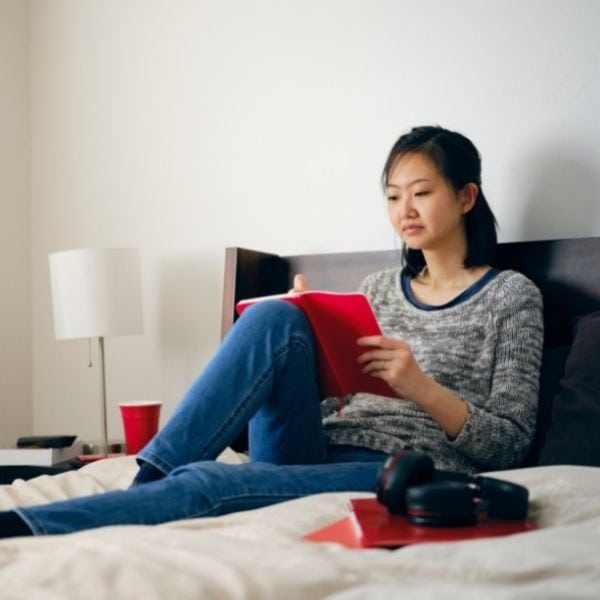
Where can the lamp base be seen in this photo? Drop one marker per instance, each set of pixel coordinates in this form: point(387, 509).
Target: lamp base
point(100, 448)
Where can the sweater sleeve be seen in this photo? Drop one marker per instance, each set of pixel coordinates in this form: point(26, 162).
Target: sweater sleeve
point(498, 434)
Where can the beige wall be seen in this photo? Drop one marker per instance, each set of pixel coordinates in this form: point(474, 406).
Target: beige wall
point(184, 126)
point(15, 224)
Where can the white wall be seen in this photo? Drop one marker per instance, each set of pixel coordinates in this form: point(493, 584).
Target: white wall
point(15, 224)
point(184, 126)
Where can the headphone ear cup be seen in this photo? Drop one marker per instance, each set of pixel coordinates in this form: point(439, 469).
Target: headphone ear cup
point(400, 471)
point(506, 500)
point(441, 504)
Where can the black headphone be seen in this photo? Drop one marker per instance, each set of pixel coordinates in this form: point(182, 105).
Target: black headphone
point(408, 484)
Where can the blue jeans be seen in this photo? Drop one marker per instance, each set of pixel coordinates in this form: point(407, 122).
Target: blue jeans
point(263, 376)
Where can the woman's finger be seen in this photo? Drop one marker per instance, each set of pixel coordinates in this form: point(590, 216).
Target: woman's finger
point(300, 284)
point(377, 355)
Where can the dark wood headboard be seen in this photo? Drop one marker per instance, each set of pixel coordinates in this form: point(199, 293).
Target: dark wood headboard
point(566, 271)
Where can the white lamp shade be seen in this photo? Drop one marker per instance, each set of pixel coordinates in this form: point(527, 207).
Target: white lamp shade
point(96, 292)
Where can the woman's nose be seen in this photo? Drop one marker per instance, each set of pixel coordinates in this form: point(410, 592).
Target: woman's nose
point(407, 208)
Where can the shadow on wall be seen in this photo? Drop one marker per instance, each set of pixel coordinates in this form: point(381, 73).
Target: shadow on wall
point(189, 296)
point(563, 198)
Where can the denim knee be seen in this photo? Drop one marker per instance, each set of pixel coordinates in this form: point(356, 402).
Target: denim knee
point(278, 314)
point(208, 482)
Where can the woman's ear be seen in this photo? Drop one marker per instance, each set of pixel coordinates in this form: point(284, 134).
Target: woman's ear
point(468, 196)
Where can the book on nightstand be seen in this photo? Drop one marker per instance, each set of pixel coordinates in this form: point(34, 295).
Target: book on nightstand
point(43, 457)
point(337, 321)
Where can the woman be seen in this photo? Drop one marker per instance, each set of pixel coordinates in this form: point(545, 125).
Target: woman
point(461, 347)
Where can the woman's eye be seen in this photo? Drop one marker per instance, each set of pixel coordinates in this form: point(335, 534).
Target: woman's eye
point(392, 198)
point(422, 193)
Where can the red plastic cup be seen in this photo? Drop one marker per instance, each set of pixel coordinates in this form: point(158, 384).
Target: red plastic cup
point(140, 423)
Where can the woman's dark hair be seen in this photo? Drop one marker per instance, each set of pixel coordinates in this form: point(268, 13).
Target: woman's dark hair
point(459, 161)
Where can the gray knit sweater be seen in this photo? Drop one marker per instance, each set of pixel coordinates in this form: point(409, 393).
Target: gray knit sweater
point(487, 350)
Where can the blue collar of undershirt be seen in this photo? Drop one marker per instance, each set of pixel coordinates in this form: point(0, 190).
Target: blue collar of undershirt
point(462, 297)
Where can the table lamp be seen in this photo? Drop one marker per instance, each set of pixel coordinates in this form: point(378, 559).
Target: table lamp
point(96, 293)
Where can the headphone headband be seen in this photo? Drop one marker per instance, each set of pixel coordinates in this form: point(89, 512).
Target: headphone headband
point(409, 484)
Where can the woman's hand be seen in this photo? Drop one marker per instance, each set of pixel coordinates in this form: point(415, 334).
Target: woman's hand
point(393, 361)
point(300, 284)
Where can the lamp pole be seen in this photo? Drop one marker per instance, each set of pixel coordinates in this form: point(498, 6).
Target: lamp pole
point(104, 448)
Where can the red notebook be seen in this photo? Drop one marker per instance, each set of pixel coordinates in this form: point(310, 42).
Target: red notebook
point(372, 526)
point(337, 321)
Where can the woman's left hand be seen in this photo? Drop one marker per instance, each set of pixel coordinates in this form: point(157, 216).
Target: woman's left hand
point(394, 362)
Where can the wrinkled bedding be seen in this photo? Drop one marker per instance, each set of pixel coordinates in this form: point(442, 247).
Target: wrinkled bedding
point(260, 554)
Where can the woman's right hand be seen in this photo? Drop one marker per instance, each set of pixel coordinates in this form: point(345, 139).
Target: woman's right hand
point(300, 284)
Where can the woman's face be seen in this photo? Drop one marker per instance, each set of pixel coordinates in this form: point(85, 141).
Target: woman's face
point(423, 208)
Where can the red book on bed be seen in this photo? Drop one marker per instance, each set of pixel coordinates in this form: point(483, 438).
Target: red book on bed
point(337, 321)
point(372, 526)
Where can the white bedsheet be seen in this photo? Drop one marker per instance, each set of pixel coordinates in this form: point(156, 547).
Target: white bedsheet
point(260, 554)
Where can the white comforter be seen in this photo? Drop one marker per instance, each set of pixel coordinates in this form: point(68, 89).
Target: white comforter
point(260, 554)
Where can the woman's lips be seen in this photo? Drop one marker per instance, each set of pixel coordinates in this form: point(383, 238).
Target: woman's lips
point(411, 229)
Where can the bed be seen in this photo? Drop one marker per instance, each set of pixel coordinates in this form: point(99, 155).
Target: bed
point(262, 553)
